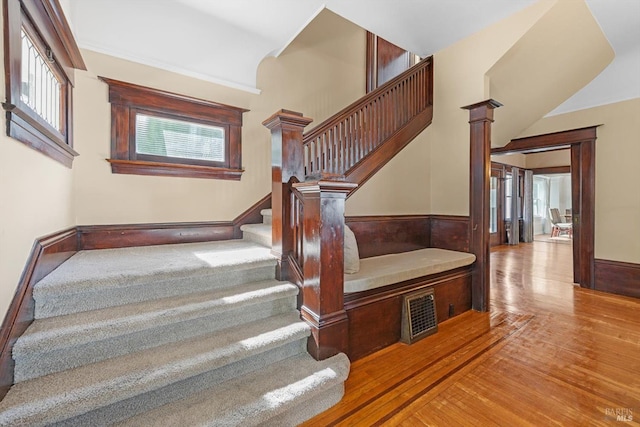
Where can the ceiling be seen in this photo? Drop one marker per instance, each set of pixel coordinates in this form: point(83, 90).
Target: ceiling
point(225, 41)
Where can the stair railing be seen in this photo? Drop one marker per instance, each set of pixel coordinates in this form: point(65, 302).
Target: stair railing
point(342, 143)
point(313, 175)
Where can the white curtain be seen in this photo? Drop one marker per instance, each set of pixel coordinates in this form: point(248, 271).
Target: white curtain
point(527, 211)
point(514, 235)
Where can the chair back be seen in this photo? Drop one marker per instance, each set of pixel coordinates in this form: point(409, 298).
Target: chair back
point(555, 215)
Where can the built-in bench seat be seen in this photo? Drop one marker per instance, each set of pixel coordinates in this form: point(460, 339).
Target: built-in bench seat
point(373, 296)
point(384, 270)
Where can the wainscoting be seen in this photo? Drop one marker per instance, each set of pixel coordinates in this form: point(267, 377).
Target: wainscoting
point(617, 277)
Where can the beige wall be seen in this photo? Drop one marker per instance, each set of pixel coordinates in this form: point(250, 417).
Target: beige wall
point(548, 159)
point(617, 207)
point(35, 200)
point(317, 74)
point(516, 159)
point(460, 80)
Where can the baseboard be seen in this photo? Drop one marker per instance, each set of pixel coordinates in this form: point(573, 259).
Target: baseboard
point(46, 255)
point(128, 235)
point(622, 278)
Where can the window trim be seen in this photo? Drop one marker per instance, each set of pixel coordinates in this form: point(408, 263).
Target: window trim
point(128, 99)
point(44, 21)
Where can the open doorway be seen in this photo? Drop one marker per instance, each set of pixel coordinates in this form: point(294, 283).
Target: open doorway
point(581, 143)
point(551, 200)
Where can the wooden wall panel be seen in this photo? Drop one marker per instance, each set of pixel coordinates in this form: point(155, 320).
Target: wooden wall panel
point(375, 317)
point(124, 236)
point(450, 232)
point(617, 277)
point(381, 235)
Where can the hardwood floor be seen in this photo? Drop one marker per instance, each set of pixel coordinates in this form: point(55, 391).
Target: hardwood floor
point(548, 353)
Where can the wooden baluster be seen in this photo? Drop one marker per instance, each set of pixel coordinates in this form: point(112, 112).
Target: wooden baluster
point(323, 266)
point(286, 163)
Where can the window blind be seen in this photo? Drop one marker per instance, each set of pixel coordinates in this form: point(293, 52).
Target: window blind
point(160, 136)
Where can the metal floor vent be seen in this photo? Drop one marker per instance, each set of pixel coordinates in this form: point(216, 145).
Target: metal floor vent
point(418, 316)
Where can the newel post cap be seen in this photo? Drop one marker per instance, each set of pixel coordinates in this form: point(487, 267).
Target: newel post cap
point(287, 118)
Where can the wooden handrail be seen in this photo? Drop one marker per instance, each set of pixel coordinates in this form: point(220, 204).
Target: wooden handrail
point(334, 147)
point(314, 173)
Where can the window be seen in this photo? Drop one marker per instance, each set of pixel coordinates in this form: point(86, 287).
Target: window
point(160, 133)
point(40, 56)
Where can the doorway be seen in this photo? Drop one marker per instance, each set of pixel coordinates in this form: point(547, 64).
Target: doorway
point(582, 145)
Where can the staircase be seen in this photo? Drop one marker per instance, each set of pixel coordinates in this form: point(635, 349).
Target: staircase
point(188, 334)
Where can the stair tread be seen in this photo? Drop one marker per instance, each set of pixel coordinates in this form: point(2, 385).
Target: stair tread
point(127, 266)
point(79, 328)
point(257, 228)
point(65, 394)
point(254, 398)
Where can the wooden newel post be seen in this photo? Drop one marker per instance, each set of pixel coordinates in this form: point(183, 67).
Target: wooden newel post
point(480, 119)
point(286, 163)
point(323, 266)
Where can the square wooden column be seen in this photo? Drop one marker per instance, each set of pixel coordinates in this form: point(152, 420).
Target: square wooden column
point(286, 167)
point(323, 266)
point(480, 119)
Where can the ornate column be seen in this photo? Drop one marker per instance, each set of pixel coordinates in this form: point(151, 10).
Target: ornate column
point(480, 119)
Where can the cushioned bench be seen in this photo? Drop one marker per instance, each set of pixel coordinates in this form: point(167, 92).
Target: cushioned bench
point(383, 270)
point(373, 296)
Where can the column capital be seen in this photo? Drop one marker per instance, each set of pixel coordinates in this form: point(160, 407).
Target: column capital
point(482, 110)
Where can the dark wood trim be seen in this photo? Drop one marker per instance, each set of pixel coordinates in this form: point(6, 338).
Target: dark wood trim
point(384, 58)
point(127, 100)
point(382, 235)
point(617, 277)
point(46, 255)
point(551, 170)
point(128, 235)
point(137, 167)
point(375, 316)
point(545, 142)
point(449, 232)
point(286, 167)
point(371, 62)
point(583, 189)
point(583, 165)
point(480, 119)
point(251, 215)
point(323, 266)
point(47, 26)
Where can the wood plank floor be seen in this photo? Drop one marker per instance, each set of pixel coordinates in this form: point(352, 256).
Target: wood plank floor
point(548, 353)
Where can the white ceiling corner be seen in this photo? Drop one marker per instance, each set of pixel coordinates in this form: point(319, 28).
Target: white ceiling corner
point(198, 37)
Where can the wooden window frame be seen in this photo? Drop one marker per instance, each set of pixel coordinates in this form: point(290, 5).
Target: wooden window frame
point(128, 99)
point(46, 25)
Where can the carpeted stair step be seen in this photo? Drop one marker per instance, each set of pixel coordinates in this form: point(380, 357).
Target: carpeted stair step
point(118, 388)
point(258, 233)
point(64, 342)
point(266, 216)
point(97, 279)
point(285, 393)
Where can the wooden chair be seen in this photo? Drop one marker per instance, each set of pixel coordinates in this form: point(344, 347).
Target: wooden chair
point(559, 227)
